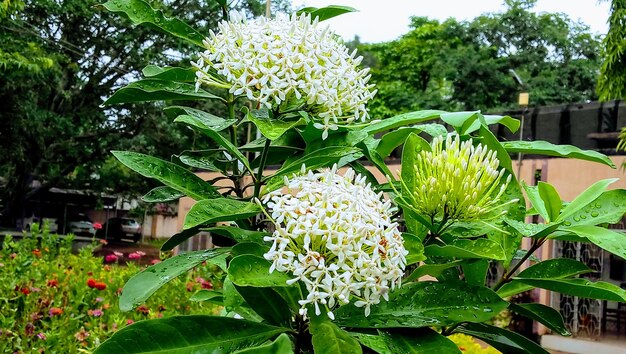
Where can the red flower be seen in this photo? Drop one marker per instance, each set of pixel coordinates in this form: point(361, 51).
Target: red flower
point(25, 290)
point(53, 283)
point(100, 285)
point(134, 255)
point(91, 282)
point(129, 322)
point(110, 258)
point(55, 311)
point(143, 309)
point(37, 252)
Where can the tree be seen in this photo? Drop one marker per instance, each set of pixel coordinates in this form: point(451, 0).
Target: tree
point(612, 81)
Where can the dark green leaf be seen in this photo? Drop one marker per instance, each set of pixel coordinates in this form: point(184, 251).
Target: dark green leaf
point(250, 270)
point(272, 128)
point(208, 120)
point(545, 148)
point(587, 196)
point(395, 138)
point(608, 240)
point(509, 122)
point(234, 302)
point(327, 12)
point(238, 234)
point(551, 200)
point(282, 345)
point(501, 339)
point(608, 208)
point(210, 160)
point(267, 304)
point(414, 245)
point(140, 12)
point(170, 73)
point(532, 192)
point(532, 230)
point(250, 248)
point(210, 211)
point(426, 304)
point(374, 341)
point(546, 315)
point(143, 285)
point(403, 120)
point(490, 140)
point(168, 173)
point(417, 341)
point(475, 271)
point(187, 334)
point(179, 238)
point(579, 287)
point(157, 90)
point(207, 295)
point(327, 338)
point(162, 194)
point(464, 248)
point(557, 268)
point(434, 270)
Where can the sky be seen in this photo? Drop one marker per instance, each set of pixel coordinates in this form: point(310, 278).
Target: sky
point(385, 20)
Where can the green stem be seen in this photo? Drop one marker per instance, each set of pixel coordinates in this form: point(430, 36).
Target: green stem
point(233, 128)
point(449, 330)
point(507, 276)
point(259, 176)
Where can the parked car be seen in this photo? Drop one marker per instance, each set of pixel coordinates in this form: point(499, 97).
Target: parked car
point(27, 223)
point(119, 228)
point(80, 225)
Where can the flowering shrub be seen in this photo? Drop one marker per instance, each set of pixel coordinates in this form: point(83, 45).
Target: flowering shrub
point(57, 301)
point(330, 262)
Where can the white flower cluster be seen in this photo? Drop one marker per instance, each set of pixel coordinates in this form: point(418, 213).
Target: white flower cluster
point(291, 63)
point(457, 180)
point(335, 235)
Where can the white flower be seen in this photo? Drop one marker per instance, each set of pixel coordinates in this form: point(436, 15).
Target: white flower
point(287, 63)
point(459, 180)
point(335, 234)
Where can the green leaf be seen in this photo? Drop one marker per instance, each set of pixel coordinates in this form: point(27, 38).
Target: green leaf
point(170, 73)
point(464, 248)
point(249, 248)
point(168, 173)
point(157, 90)
point(462, 121)
point(546, 315)
point(490, 140)
point(327, 12)
point(608, 240)
point(374, 340)
point(162, 194)
point(328, 338)
point(434, 270)
point(207, 295)
point(367, 146)
point(140, 12)
point(511, 123)
point(395, 138)
point(412, 147)
point(198, 118)
point(475, 271)
point(579, 287)
point(501, 339)
point(608, 208)
point(532, 230)
point(282, 345)
point(551, 200)
point(426, 304)
point(414, 245)
point(267, 304)
point(548, 149)
point(535, 199)
point(402, 120)
point(272, 128)
point(417, 341)
point(586, 197)
point(187, 334)
point(211, 160)
point(143, 285)
point(238, 234)
point(557, 268)
point(179, 238)
point(210, 211)
point(250, 270)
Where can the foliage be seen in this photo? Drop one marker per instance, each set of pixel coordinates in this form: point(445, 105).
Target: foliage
point(51, 298)
point(314, 256)
point(612, 80)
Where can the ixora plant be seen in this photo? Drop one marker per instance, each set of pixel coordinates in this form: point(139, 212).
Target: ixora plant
point(323, 257)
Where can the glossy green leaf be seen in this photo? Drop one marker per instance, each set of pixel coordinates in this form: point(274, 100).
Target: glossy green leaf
point(532, 192)
point(140, 12)
point(238, 234)
point(414, 245)
point(250, 248)
point(586, 197)
point(502, 339)
point(532, 230)
point(168, 173)
point(328, 338)
point(207, 295)
point(211, 160)
point(372, 339)
point(170, 73)
point(546, 315)
point(327, 12)
point(464, 248)
point(179, 238)
point(488, 139)
point(539, 147)
point(511, 123)
point(434, 270)
point(272, 128)
point(608, 240)
point(374, 157)
point(412, 147)
point(551, 200)
point(157, 90)
point(208, 120)
point(417, 341)
point(282, 345)
point(235, 304)
point(557, 268)
point(162, 194)
point(608, 208)
point(144, 284)
point(250, 270)
point(461, 121)
point(579, 287)
point(188, 334)
point(210, 211)
point(403, 120)
point(395, 138)
point(426, 304)
point(475, 271)
point(207, 124)
point(267, 303)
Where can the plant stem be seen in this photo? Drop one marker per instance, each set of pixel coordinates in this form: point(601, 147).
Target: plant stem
point(233, 128)
point(449, 330)
point(257, 184)
point(507, 276)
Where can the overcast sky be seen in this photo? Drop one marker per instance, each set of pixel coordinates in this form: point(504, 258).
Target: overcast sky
point(385, 20)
